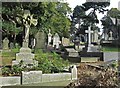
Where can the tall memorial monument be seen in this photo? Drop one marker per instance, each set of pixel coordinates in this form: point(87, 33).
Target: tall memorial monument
point(25, 54)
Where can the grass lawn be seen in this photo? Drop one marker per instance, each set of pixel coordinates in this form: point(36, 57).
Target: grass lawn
point(111, 49)
point(8, 56)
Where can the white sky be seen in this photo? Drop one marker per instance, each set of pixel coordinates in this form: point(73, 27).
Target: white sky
point(74, 3)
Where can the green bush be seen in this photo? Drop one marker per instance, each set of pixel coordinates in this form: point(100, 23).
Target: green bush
point(50, 62)
point(6, 71)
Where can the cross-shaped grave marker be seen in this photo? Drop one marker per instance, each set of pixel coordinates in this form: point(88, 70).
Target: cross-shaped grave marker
point(89, 35)
point(89, 38)
point(28, 20)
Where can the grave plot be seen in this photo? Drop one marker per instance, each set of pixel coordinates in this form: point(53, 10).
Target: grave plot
point(94, 77)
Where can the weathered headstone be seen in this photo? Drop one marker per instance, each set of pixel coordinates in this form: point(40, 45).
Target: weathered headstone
point(40, 40)
point(56, 41)
point(74, 72)
point(11, 45)
point(32, 43)
point(5, 43)
point(65, 41)
point(49, 38)
point(72, 52)
point(26, 57)
point(105, 36)
point(110, 36)
point(95, 36)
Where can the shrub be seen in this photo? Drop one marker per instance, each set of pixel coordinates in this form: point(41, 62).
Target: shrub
point(6, 71)
point(50, 62)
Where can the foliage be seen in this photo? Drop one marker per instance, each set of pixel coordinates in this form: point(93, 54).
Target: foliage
point(108, 24)
point(6, 71)
point(50, 62)
point(16, 70)
point(84, 20)
point(114, 13)
point(50, 15)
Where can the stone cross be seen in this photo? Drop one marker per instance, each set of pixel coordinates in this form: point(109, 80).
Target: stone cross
point(89, 35)
point(28, 20)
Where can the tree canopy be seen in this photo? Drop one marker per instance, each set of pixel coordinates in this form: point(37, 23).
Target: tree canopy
point(84, 20)
point(50, 15)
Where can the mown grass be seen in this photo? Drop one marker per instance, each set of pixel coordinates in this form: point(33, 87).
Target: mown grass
point(8, 56)
point(110, 49)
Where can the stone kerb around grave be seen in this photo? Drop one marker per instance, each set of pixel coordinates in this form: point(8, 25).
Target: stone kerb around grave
point(32, 77)
point(38, 77)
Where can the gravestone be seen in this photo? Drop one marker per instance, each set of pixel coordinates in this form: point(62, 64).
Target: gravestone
point(96, 36)
point(49, 38)
point(72, 52)
point(89, 39)
point(5, 43)
point(105, 36)
point(25, 54)
point(56, 41)
point(110, 36)
point(40, 40)
point(11, 45)
point(32, 43)
point(74, 72)
point(65, 41)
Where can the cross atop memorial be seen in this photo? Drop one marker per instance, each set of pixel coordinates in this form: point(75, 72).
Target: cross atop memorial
point(89, 35)
point(28, 20)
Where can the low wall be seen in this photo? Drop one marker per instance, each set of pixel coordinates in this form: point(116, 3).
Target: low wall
point(37, 77)
point(6, 81)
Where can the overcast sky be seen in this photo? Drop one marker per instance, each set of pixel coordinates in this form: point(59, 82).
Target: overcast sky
point(74, 3)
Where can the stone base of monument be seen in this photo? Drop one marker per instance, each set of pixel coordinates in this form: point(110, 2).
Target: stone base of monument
point(72, 55)
point(89, 59)
point(26, 57)
point(72, 52)
point(93, 48)
point(93, 54)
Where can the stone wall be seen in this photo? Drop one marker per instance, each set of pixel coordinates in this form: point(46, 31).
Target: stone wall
point(37, 77)
point(56, 77)
point(31, 77)
point(5, 81)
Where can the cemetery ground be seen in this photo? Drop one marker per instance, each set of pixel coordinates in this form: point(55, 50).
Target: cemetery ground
point(88, 73)
point(48, 62)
